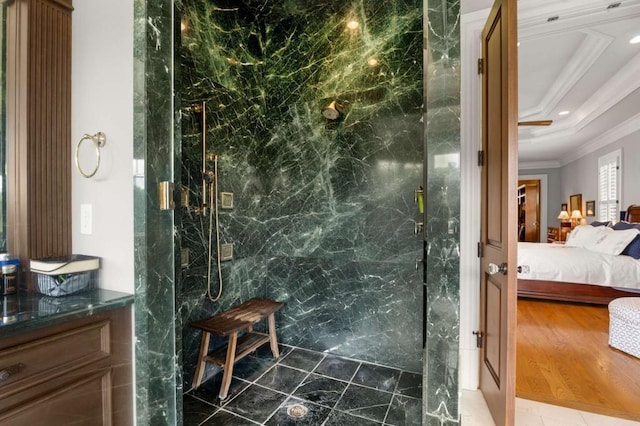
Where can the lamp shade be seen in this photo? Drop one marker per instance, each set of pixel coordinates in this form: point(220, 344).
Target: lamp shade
point(564, 215)
point(576, 214)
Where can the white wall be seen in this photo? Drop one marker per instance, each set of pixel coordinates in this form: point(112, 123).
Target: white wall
point(102, 100)
point(581, 175)
point(471, 140)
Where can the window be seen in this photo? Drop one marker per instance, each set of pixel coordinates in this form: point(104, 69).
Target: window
point(609, 172)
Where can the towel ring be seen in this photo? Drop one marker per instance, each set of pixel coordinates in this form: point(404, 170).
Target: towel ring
point(99, 140)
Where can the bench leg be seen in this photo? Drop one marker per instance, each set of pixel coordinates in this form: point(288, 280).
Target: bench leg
point(273, 340)
point(228, 366)
point(204, 350)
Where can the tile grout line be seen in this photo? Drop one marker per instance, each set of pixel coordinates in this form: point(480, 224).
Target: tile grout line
point(349, 382)
point(296, 388)
point(393, 397)
point(251, 382)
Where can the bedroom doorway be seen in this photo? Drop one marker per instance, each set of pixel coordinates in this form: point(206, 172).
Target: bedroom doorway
point(529, 211)
point(563, 356)
point(552, 197)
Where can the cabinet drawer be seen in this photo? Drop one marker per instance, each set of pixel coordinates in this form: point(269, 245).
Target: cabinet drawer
point(43, 359)
point(85, 400)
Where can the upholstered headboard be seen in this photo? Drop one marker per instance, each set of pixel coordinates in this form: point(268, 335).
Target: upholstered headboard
point(633, 213)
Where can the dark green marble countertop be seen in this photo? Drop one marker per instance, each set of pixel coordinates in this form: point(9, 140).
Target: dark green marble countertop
point(29, 311)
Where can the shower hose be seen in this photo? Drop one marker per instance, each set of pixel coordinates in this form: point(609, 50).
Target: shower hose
point(213, 201)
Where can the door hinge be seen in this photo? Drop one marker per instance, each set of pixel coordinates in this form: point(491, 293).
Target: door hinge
point(480, 158)
point(480, 66)
point(480, 250)
point(479, 335)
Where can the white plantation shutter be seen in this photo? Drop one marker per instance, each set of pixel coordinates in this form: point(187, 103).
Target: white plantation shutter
point(609, 172)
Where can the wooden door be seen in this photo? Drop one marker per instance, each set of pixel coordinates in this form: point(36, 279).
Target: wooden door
point(498, 290)
point(531, 210)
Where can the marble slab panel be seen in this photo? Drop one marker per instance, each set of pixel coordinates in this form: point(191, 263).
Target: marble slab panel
point(442, 218)
point(323, 215)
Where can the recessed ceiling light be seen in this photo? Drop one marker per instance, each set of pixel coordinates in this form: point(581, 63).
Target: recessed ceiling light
point(635, 40)
point(563, 113)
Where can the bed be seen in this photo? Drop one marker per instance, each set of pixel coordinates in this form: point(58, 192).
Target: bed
point(575, 274)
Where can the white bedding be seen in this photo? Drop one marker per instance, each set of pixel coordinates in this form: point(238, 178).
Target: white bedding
point(557, 262)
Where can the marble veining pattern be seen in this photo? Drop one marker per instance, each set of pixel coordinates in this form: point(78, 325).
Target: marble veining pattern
point(323, 214)
point(158, 380)
point(442, 215)
point(266, 397)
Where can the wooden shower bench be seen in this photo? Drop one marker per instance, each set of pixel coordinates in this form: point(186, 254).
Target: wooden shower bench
point(228, 324)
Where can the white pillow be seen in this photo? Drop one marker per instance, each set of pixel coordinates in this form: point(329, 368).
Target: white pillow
point(584, 235)
point(612, 241)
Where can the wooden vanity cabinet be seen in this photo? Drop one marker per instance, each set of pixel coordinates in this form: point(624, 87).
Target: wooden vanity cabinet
point(78, 372)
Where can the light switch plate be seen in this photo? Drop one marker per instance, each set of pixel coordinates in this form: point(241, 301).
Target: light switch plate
point(86, 219)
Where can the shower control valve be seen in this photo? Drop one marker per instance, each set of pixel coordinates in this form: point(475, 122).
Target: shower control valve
point(209, 176)
point(418, 227)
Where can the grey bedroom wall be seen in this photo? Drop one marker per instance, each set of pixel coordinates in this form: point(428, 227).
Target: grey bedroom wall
point(581, 175)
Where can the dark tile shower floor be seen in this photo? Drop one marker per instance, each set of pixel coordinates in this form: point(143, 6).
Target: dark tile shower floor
point(332, 390)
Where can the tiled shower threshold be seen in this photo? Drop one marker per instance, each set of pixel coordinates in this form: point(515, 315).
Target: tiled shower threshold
point(331, 390)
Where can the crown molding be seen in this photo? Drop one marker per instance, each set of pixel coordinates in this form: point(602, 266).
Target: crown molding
point(531, 165)
point(591, 48)
point(533, 14)
point(618, 87)
point(575, 15)
point(625, 128)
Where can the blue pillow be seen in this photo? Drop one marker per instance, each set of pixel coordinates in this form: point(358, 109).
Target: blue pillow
point(621, 226)
point(633, 249)
point(596, 223)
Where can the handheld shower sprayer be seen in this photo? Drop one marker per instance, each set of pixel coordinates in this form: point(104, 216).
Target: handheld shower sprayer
point(205, 183)
point(210, 201)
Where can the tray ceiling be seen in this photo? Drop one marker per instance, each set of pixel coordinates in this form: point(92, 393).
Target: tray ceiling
point(575, 56)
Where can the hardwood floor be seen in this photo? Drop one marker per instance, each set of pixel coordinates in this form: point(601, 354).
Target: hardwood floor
point(563, 358)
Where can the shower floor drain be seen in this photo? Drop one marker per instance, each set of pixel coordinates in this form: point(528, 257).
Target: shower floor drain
point(297, 411)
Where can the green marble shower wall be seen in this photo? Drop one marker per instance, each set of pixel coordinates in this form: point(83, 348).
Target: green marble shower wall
point(324, 212)
point(158, 381)
point(442, 213)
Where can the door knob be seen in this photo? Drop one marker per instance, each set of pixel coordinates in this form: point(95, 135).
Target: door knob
point(493, 269)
